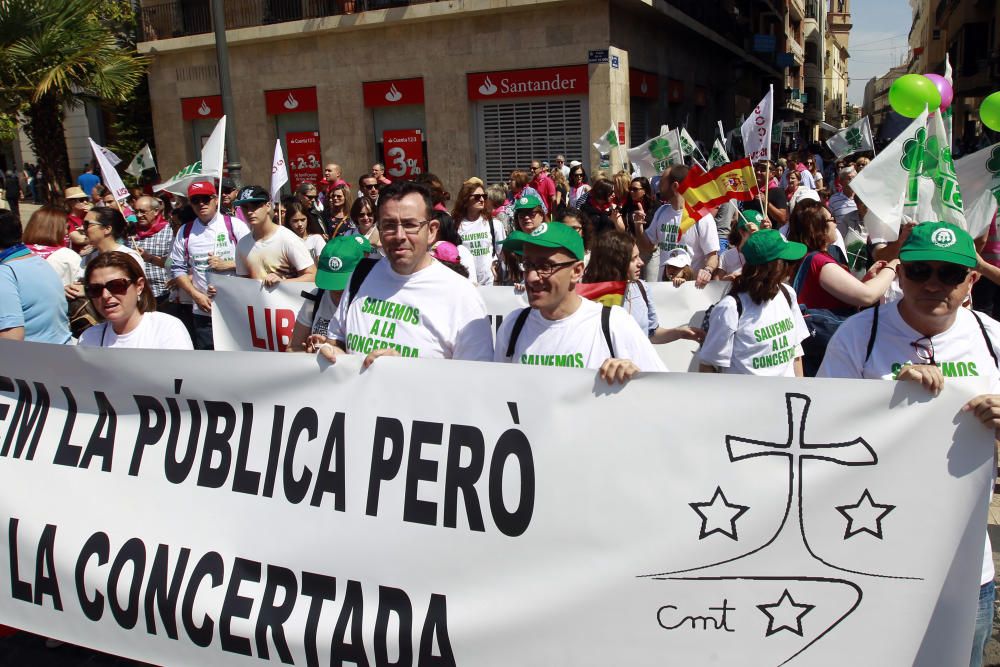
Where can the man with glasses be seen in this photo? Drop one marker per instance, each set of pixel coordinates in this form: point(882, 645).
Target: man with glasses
point(925, 337)
point(153, 241)
point(409, 304)
point(208, 243)
point(560, 328)
point(227, 193)
point(543, 184)
point(561, 166)
point(270, 252)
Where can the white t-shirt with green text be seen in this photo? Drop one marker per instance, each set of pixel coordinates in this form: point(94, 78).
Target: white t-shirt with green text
point(432, 314)
point(765, 340)
point(961, 351)
point(577, 341)
point(476, 236)
point(700, 239)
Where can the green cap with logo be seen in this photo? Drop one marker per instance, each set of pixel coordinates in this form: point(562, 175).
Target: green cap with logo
point(528, 201)
point(748, 216)
point(939, 242)
point(547, 235)
point(768, 245)
point(337, 261)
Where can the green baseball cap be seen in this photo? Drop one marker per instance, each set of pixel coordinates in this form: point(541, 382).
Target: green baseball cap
point(748, 216)
point(547, 235)
point(939, 242)
point(337, 261)
point(528, 201)
point(768, 245)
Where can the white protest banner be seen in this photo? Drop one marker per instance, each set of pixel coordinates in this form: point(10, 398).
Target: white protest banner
point(279, 172)
point(979, 180)
point(250, 317)
point(199, 508)
point(213, 152)
point(852, 139)
point(653, 156)
point(108, 173)
point(756, 130)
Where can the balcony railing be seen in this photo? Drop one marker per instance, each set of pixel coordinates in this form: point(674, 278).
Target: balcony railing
point(180, 18)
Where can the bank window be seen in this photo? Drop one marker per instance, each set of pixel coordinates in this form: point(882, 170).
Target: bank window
point(512, 134)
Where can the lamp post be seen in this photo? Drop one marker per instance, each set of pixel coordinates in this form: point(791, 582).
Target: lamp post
point(226, 87)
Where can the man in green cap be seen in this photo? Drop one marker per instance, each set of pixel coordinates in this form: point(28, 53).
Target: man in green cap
point(336, 262)
point(928, 336)
point(560, 328)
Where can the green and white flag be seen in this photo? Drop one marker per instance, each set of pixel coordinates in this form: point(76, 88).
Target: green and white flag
point(852, 139)
point(688, 147)
point(717, 157)
point(655, 155)
point(932, 191)
point(208, 168)
point(979, 180)
point(607, 141)
point(883, 184)
point(178, 184)
point(142, 161)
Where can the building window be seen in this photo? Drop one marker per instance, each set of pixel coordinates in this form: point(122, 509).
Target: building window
point(812, 53)
point(512, 134)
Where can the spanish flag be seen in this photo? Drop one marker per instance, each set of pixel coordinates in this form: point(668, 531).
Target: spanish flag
point(611, 293)
point(705, 190)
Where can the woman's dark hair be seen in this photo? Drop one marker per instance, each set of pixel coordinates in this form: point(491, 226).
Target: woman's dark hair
point(577, 169)
point(294, 207)
point(465, 197)
point(329, 197)
point(609, 258)
point(10, 229)
point(111, 217)
point(125, 263)
point(447, 229)
point(808, 225)
point(649, 202)
point(602, 190)
point(761, 282)
point(47, 226)
point(589, 233)
point(360, 203)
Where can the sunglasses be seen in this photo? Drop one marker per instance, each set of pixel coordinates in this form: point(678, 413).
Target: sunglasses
point(948, 274)
point(478, 197)
point(117, 287)
point(198, 200)
point(370, 186)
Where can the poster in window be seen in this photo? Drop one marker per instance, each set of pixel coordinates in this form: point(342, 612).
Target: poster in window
point(303, 158)
point(403, 153)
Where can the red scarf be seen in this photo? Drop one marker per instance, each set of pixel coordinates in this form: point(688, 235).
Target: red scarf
point(154, 228)
point(43, 251)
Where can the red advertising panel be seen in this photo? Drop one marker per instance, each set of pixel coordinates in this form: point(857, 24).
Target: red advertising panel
point(303, 158)
point(542, 82)
point(290, 100)
point(394, 92)
point(621, 133)
point(403, 153)
point(193, 108)
point(643, 84)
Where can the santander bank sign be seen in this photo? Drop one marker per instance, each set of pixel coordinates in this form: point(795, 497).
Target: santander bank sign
point(541, 82)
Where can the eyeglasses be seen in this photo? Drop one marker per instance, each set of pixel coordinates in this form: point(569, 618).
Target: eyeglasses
point(949, 274)
point(479, 197)
point(365, 214)
point(546, 269)
point(117, 287)
point(409, 227)
point(199, 200)
point(924, 348)
point(143, 211)
point(91, 223)
point(528, 212)
point(310, 197)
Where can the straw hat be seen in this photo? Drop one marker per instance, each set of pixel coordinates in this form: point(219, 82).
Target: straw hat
point(74, 192)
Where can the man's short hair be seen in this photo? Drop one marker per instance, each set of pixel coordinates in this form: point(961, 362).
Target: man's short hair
point(10, 229)
point(399, 189)
point(676, 173)
point(848, 173)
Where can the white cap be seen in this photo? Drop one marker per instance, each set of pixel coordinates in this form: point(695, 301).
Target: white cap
point(575, 163)
point(678, 257)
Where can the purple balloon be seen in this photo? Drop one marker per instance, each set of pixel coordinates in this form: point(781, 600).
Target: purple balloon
point(944, 88)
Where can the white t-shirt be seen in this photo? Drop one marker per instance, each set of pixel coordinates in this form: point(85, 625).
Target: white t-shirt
point(765, 340)
point(67, 264)
point(156, 331)
point(282, 253)
point(476, 236)
point(960, 351)
point(314, 244)
point(577, 341)
point(700, 239)
point(190, 256)
point(466, 259)
point(324, 312)
point(731, 261)
point(432, 314)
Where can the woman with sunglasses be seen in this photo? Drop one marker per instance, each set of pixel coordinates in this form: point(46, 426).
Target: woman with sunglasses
point(816, 174)
point(337, 213)
point(106, 231)
point(578, 185)
point(304, 224)
point(116, 285)
point(480, 233)
point(363, 222)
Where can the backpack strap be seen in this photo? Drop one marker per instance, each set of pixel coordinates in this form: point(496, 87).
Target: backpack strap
point(493, 236)
point(228, 219)
point(606, 328)
point(642, 291)
point(515, 331)
point(989, 343)
point(187, 243)
point(874, 330)
point(788, 297)
point(361, 272)
point(800, 275)
point(316, 298)
point(739, 305)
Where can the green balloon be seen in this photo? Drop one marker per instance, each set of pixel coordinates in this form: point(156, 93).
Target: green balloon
point(911, 93)
point(989, 112)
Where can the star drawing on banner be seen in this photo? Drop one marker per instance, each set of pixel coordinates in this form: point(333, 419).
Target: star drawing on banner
point(718, 515)
point(785, 614)
point(864, 516)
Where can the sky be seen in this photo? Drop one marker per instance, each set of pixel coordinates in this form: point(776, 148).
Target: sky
point(878, 41)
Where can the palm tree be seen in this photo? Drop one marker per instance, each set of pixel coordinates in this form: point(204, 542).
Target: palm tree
point(51, 52)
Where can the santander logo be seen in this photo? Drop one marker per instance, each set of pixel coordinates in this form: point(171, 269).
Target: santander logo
point(290, 103)
point(204, 109)
point(643, 88)
point(393, 95)
point(487, 88)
